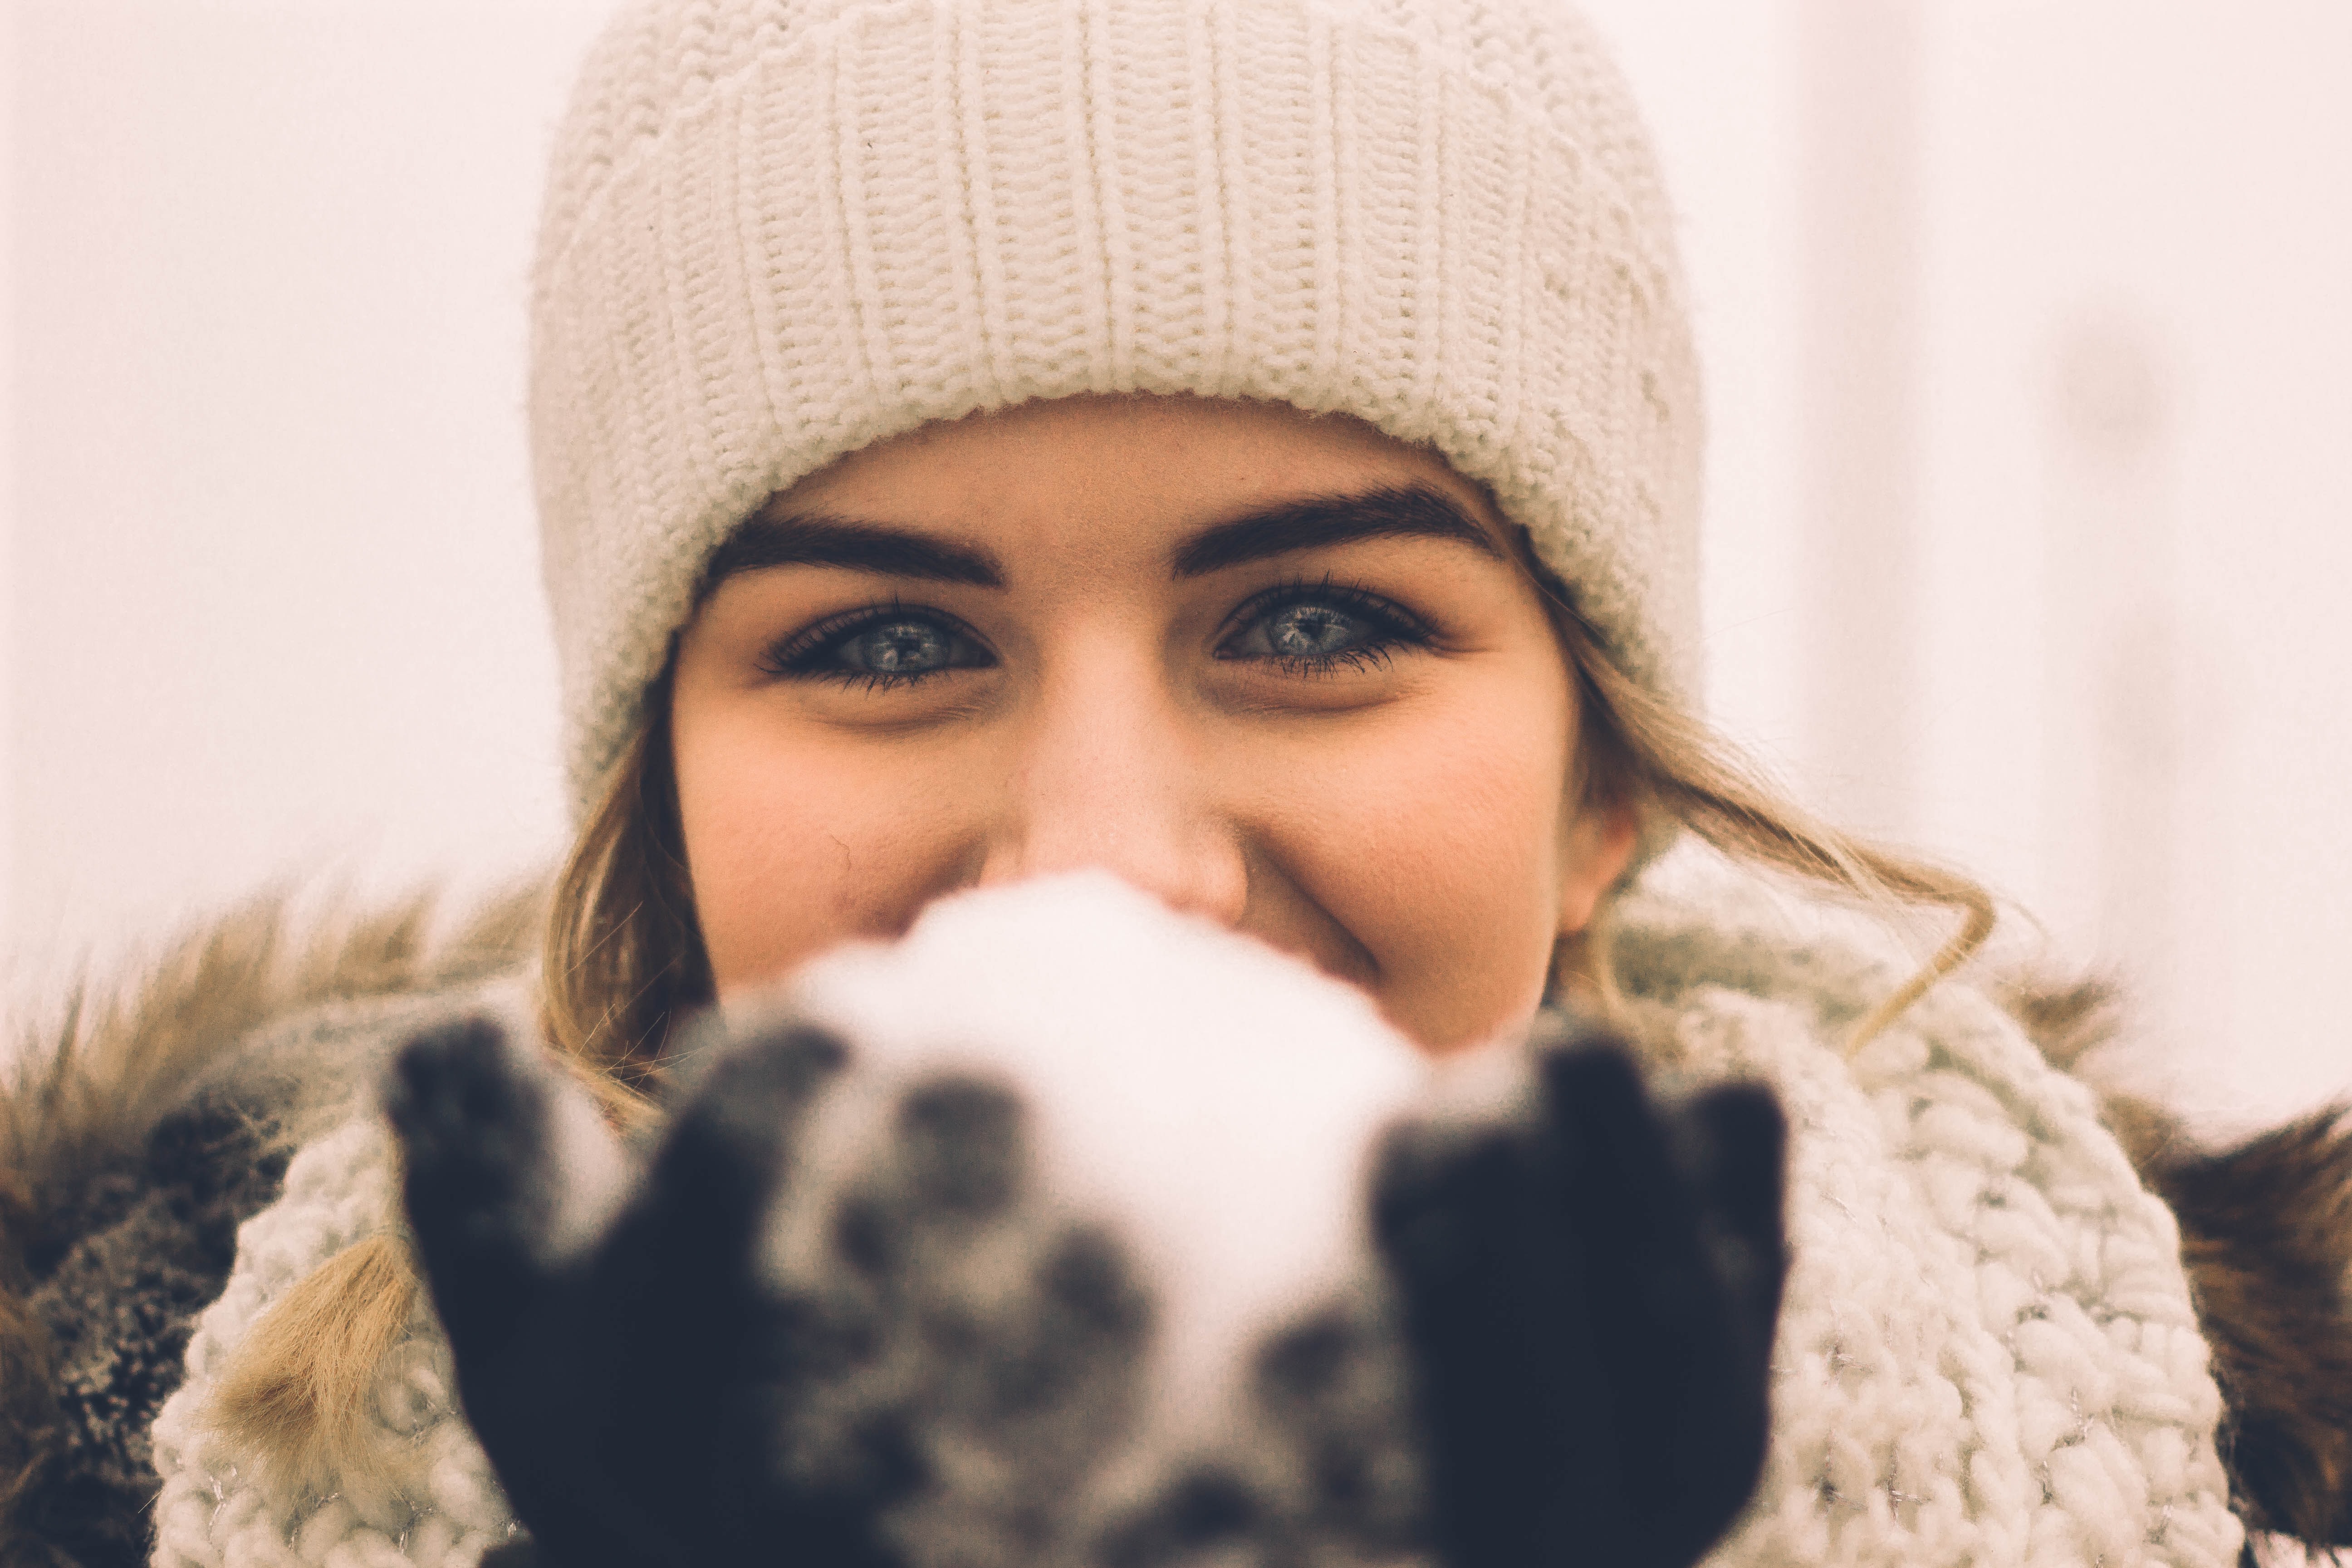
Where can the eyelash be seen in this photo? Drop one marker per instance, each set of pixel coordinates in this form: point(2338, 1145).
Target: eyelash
point(1390, 627)
point(798, 657)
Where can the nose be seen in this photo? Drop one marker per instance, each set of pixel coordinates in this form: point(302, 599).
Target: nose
point(1106, 775)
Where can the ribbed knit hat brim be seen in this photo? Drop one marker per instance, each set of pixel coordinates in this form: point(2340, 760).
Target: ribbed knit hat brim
point(779, 233)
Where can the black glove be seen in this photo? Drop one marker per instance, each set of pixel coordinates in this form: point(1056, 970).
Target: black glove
point(659, 1393)
point(616, 1386)
point(1590, 1293)
point(1588, 1290)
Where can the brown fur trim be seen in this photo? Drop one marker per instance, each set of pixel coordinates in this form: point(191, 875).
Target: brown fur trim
point(2266, 1236)
point(81, 1094)
point(2266, 1230)
point(27, 1407)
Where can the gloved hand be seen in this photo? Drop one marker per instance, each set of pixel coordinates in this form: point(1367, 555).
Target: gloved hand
point(1585, 1291)
point(617, 1356)
point(1589, 1293)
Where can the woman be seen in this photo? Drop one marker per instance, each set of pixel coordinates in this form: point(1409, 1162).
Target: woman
point(1250, 448)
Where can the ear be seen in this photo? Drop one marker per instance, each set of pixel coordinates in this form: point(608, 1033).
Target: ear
point(1595, 850)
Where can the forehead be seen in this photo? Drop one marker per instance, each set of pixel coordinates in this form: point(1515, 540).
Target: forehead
point(1137, 470)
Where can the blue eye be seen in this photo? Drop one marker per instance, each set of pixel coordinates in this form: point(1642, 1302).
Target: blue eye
point(880, 649)
point(1312, 631)
point(897, 648)
point(1315, 629)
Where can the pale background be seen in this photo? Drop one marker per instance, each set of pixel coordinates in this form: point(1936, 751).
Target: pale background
point(2030, 342)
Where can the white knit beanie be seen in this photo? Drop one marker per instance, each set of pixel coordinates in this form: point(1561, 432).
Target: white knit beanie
point(780, 230)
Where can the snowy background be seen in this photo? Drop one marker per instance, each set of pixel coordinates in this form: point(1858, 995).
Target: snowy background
point(2027, 327)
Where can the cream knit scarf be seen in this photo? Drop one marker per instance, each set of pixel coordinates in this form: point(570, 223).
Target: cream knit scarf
point(1987, 1354)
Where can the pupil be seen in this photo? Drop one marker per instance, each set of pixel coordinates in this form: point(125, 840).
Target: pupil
point(1307, 631)
point(901, 648)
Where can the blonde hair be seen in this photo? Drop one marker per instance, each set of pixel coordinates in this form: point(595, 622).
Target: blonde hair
point(622, 961)
point(297, 1391)
point(624, 957)
point(1641, 752)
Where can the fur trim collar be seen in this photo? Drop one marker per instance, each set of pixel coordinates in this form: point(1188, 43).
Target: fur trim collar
point(139, 1125)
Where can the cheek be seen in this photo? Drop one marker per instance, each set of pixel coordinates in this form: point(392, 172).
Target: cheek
point(795, 845)
point(1436, 840)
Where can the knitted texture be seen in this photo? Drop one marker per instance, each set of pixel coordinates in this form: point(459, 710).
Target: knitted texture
point(780, 230)
point(1987, 1352)
point(428, 1498)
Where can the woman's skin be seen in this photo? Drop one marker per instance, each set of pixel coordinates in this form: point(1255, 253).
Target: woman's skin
point(1279, 670)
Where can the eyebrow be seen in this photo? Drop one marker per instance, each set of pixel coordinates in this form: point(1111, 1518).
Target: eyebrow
point(816, 539)
point(793, 538)
point(1396, 511)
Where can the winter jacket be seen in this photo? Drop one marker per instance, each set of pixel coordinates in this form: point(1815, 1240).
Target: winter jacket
point(2021, 1325)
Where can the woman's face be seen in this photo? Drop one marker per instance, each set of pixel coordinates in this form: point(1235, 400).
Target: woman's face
point(1281, 671)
